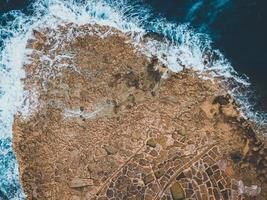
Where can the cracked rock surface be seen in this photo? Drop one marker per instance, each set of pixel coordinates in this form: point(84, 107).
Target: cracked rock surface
point(108, 126)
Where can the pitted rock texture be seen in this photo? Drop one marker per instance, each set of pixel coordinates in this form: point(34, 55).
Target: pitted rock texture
point(108, 126)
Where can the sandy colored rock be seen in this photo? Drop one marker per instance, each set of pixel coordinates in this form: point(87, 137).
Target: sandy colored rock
point(81, 182)
point(106, 115)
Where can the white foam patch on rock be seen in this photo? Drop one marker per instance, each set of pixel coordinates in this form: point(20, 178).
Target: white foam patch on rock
point(104, 109)
point(11, 72)
point(29, 104)
point(79, 114)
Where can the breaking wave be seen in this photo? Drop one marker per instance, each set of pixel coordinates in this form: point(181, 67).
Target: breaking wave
point(175, 45)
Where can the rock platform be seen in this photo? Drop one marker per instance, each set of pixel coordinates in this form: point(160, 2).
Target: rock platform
point(108, 122)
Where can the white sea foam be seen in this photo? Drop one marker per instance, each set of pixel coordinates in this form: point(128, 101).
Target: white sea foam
point(11, 73)
point(184, 47)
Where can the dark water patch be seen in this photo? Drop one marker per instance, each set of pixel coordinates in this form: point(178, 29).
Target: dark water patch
point(240, 32)
point(3, 196)
point(8, 5)
point(9, 185)
point(238, 28)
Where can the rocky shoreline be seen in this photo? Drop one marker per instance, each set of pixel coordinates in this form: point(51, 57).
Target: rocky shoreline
point(108, 122)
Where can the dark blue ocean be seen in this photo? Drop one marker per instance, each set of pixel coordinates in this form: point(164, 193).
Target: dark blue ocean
point(237, 28)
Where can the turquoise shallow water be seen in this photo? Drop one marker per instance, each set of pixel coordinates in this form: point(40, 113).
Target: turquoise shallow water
point(9, 184)
point(193, 28)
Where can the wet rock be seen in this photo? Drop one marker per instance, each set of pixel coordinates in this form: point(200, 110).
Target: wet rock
point(132, 80)
point(209, 171)
point(250, 133)
point(81, 182)
point(154, 74)
point(117, 76)
point(153, 93)
point(81, 108)
point(152, 143)
point(252, 159)
point(180, 176)
point(236, 157)
point(222, 100)
point(216, 193)
point(39, 35)
point(177, 191)
point(154, 36)
point(110, 193)
point(225, 194)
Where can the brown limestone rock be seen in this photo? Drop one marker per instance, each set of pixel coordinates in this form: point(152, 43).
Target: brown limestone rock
point(80, 182)
point(105, 114)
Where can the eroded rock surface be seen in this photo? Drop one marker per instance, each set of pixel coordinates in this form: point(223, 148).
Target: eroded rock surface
point(108, 126)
